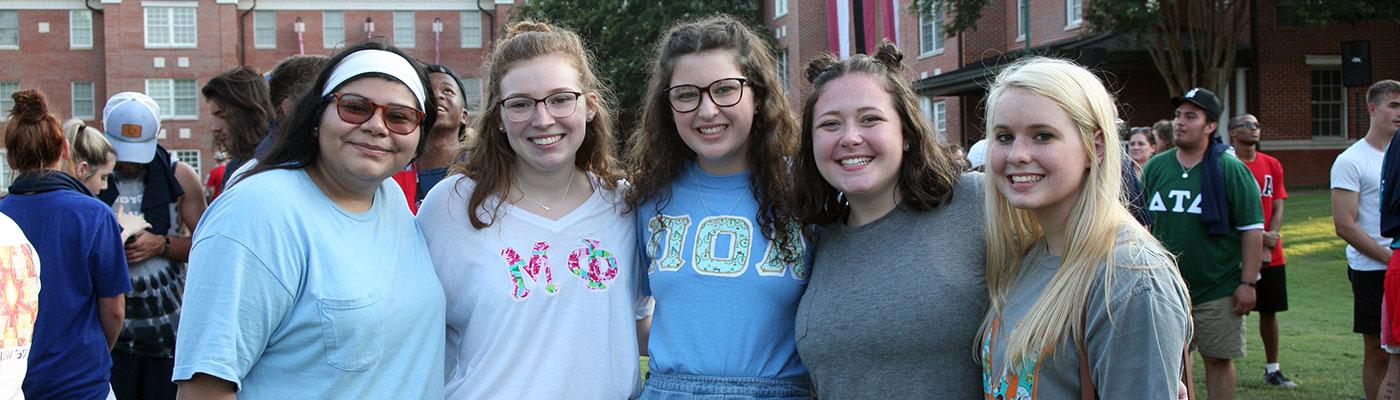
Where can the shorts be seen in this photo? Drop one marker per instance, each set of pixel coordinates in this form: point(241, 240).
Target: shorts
point(1219, 332)
point(1390, 306)
point(681, 386)
point(1271, 292)
point(1367, 289)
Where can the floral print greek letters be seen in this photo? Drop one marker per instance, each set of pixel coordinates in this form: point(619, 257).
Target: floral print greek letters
point(773, 264)
point(594, 254)
point(1014, 383)
point(519, 270)
point(707, 237)
point(672, 231)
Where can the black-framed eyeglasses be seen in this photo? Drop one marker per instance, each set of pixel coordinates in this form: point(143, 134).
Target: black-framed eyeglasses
point(1248, 125)
point(356, 109)
point(522, 108)
point(724, 93)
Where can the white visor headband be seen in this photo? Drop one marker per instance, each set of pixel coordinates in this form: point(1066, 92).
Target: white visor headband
point(376, 61)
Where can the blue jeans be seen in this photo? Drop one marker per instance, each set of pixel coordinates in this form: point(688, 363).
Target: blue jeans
point(697, 387)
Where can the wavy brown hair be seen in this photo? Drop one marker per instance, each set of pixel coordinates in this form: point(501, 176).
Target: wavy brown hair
point(490, 159)
point(656, 155)
point(245, 108)
point(927, 172)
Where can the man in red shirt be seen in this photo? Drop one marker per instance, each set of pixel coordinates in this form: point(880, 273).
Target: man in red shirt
point(214, 184)
point(1272, 292)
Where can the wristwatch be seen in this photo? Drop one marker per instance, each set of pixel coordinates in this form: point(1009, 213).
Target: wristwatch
point(1248, 283)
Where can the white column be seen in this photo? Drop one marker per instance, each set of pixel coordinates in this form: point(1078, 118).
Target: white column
point(843, 27)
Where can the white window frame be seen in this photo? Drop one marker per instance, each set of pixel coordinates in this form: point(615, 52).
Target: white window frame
point(470, 29)
point(186, 156)
point(5, 16)
point(264, 29)
point(170, 10)
point(1313, 102)
point(940, 117)
point(780, 8)
point(934, 24)
point(80, 29)
point(6, 102)
point(405, 35)
point(783, 70)
point(471, 89)
point(1074, 14)
point(6, 175)
point(1022, 20)
point(157, 89)
point(83, 105)
point(332, 28)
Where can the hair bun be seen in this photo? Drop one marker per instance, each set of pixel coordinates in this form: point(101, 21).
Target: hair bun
point(30, 106)
point(815, 68)
point(889, 55)
point(527, 26)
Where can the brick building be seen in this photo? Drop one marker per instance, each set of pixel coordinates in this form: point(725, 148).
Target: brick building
point(79, 53)
point(1288, 76)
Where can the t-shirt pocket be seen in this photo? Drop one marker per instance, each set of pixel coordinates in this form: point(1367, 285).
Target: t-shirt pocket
point(350, 329)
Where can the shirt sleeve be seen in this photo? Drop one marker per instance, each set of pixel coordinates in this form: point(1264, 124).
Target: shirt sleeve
point(233, 304)
point(1246, 212)
point(1345, 174)
point(1139, 350)
point(643, 262)
point(107, 258)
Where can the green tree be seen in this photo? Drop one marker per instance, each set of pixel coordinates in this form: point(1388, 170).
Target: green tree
point(622, 36)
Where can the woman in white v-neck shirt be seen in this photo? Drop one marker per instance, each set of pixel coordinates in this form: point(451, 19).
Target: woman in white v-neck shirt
point(534, 248)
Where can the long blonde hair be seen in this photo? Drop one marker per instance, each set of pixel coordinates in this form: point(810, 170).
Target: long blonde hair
point(1092, 228)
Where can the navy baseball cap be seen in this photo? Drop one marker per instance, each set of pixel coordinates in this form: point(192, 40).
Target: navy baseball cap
point(1202, 98)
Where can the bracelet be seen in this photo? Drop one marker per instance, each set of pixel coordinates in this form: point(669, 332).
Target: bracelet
point(1248, 283)
point(166, 251)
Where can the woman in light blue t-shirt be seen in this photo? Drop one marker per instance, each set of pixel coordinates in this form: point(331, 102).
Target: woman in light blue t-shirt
point(712, 191)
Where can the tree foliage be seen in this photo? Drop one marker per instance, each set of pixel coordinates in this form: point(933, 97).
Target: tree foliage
point(622, 36)
point(1328, 12)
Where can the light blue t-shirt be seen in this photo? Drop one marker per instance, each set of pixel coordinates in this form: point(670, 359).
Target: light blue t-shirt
point(725, 300)
point(291, 297)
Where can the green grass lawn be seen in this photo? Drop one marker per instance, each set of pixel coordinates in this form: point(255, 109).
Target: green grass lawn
point(1317, 348)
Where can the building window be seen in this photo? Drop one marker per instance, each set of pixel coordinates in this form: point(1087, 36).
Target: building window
point(931, 32)
point(7, 103)
point(80, 29)
point(940, 118)
point(1329, 102)
point(332, 28)
point(171, 27)
point(471, 29)
point(783, 68)
point(82, 100)
point(403, 29)
point(176, 97)
point(779, 8)
point(264, 29)
point(471, 88)
point(9, 29)
point(6, 176)
point(1023, 23)
point(187, 156)
point(1074, 13)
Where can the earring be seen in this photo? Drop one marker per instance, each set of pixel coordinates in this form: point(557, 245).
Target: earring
point(316, 132)
point(590, 118)
point(906, 147)
point(501, 128)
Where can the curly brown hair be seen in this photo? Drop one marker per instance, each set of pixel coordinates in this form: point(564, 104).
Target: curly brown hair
point(489, 160)
point(927, 172)
point(656, 155)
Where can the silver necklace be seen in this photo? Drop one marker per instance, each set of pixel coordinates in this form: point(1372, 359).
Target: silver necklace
point(567, 189)
point(726, 212)
point(1184, 171)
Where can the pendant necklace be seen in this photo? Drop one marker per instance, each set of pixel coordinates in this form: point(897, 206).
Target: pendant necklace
point(726, 212)
point(567, 189)
point(1184, 172)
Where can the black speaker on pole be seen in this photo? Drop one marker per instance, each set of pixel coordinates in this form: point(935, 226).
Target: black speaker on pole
point(1356, 63)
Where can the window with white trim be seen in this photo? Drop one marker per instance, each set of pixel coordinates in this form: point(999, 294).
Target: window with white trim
point(1074, 13)
point(9, 29)
point(264, 29)
point(83, 100)
point(176, 97)
point(332, 28)
point(7, 103)
point(1022, 20)
point(80, 29)
point(187, 156)
point(783, 68)
point(931, 31)
point(940, 117)
point(471, 88)
point(171, 27)
point(403, 29)
point(780, 8)
point(6, 176)
point(471, 29)
point(1329, 102)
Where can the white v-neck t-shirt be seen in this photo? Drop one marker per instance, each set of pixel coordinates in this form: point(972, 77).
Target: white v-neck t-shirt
point(537, 308)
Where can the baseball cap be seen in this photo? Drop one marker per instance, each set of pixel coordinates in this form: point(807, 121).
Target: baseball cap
point(130, 121)
point(977, 154)
point(1202, 98)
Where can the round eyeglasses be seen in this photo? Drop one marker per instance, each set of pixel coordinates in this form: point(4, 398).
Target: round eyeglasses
point(356, 109)
point(724, 93)
point(522, 108)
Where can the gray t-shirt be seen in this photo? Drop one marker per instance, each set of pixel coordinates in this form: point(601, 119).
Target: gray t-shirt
point(1134, 355)
point(892, 307)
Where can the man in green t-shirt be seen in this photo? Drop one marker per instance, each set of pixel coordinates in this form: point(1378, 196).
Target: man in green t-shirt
point(1215, 228)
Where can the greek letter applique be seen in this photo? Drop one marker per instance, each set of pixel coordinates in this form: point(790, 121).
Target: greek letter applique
point(596, 276)
point(707, 235)
point(773, 263)
point(519, 270)
point(667, 231)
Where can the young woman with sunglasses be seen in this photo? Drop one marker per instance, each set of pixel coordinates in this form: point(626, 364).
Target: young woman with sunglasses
point(711, 188)
point(531, 242)
point(310, 278)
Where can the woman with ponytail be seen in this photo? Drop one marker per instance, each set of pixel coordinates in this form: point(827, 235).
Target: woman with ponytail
point(1085, 303)
point(897, 288)
point(78, 241)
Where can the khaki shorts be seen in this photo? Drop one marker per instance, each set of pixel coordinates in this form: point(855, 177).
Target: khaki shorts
point(1219, 333)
